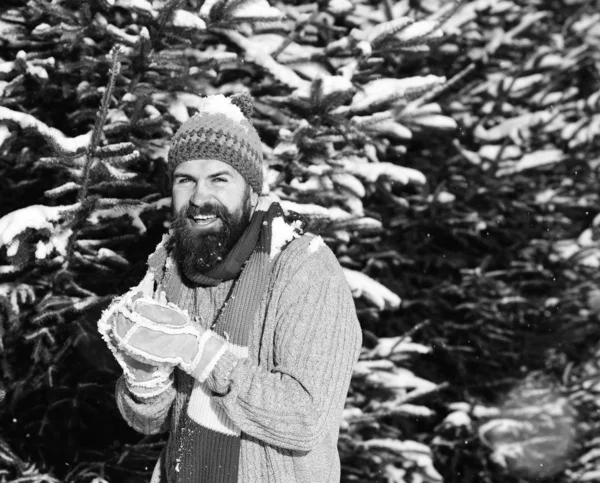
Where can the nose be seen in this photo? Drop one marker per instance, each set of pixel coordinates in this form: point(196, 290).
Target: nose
point(201, 195)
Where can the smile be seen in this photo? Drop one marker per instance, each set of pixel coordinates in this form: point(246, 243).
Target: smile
point(203, 220)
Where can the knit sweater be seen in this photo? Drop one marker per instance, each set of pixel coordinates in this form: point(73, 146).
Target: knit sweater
point(288, 394)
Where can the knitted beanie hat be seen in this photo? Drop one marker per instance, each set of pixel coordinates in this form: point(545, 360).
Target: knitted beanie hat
point(221, 129)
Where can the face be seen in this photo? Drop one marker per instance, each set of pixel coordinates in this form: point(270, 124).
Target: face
point(212, 205)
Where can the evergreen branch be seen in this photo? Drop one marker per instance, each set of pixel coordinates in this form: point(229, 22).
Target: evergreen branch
point(62, 190)
point(120, 149)
point(100, 121)
point(123, 160)
point(163, 18)
point(253, 20)
point(379, 33)
point(58, 140)
point(112, 202)
point(451, 11)
point(121, 184)
point(255, 53)
point(436, 91)
point(294, 35)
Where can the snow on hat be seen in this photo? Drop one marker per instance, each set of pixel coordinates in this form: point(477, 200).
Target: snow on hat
point(221, 129)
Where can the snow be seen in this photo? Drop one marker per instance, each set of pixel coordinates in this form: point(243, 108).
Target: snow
point(42, 250)
point(349, 182)
point(255, 52)
point(26, 121)
point(362, 285)
point(400, 380)
point(207, 7)
point(340, 7)
point(316, 243)
point(372, 171)
point(185, 19)
point(387, 89)
point(399, 344)
point(383, 30)
point(382, 123)
point(36, 217)
point(418, 29)
point(58, 240)
point(283, 233)
point(12, 249)
point(178, 110)
point(443, 197)
point(139, 5)
point(329, 84)
point(536, 159)
point(457, 419)
point(309, 209)
point(4, 132)
point(414, 451)
point(219, 104)
point(492, 151)
point(121, 35)
point(257, 8)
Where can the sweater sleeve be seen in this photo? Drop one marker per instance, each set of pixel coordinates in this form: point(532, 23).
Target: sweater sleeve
point(148, 416)
point(316, 343)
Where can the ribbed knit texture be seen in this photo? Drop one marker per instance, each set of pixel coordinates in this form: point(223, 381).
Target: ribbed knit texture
point(209, 442)
point(287, 395)
point(212, 135)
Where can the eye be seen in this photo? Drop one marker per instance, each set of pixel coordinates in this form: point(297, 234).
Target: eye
point(183, 180)
point(220, 179)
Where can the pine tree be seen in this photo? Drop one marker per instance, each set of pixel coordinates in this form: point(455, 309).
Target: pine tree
point(426, 142)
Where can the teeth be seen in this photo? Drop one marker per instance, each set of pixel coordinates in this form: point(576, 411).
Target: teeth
point(204, 217)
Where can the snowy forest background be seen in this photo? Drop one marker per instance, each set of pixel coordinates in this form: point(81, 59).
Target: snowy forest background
point(448, 153)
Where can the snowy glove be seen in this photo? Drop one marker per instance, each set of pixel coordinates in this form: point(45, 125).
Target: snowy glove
point(143, 380)
point(162, 334)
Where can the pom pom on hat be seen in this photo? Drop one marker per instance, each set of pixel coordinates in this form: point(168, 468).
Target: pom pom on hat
point(222, 130)
point(245, 102)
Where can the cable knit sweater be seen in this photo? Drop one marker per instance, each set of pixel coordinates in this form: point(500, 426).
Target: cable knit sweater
point(288, 395)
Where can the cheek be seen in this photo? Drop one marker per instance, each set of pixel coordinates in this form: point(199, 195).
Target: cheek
point(180, 200)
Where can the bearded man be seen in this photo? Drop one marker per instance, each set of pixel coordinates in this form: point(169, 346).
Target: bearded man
point(241, 339)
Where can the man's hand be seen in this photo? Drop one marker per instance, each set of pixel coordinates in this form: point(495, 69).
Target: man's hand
point(163, 335)
point(145, 380)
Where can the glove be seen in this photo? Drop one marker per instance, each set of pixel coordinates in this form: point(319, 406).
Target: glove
point(162, 334)
point(143, 380)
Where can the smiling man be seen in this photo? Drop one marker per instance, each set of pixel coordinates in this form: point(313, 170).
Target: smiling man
point(241, 338)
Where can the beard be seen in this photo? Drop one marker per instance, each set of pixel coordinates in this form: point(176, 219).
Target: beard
point(198, 253)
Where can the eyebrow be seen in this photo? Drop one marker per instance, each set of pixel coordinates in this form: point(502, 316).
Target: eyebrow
point(220, 173)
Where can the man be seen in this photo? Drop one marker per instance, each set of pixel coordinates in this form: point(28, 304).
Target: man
point(241, 339)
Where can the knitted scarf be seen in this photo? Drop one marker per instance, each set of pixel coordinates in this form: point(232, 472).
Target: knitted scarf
point(207, 444)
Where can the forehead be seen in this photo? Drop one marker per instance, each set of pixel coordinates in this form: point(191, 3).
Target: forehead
point(204, 167)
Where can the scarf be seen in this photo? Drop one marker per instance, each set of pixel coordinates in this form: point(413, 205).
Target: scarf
point(207, 443)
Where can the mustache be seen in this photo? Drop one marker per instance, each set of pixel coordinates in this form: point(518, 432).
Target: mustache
point(206, 210)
